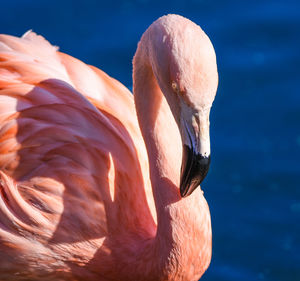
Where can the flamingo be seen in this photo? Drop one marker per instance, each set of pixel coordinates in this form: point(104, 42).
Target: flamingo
point(97, 183)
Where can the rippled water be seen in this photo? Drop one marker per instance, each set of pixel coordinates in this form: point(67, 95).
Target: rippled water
point(253, 185)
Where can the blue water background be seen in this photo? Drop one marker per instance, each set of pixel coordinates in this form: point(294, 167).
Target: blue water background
point(253, 185)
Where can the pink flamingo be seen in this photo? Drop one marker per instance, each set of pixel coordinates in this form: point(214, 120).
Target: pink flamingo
point(97, 184)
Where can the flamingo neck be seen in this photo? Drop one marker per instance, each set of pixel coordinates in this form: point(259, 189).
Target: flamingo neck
point(183, 225)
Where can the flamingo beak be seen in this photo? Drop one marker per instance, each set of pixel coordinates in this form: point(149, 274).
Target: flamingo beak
point(196, 151)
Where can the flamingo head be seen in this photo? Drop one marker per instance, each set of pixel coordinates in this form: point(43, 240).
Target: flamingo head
point(184, 63)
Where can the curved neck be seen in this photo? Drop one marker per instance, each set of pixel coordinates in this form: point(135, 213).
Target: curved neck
point(160, 133)
point(183, 225)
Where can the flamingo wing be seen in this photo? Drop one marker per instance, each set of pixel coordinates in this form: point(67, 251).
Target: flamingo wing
point(72, 160)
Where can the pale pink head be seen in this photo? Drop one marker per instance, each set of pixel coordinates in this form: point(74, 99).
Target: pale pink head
point(183, 62)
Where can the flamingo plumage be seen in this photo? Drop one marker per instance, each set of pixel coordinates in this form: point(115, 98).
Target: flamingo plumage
point(98, 184)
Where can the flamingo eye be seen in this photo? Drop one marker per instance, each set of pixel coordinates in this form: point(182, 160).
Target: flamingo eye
point(175, 87)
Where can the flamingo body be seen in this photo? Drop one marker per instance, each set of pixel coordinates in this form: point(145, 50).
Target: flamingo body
point(76, 185)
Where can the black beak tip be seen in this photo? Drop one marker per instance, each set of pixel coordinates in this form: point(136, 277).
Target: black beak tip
point(193, 171)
